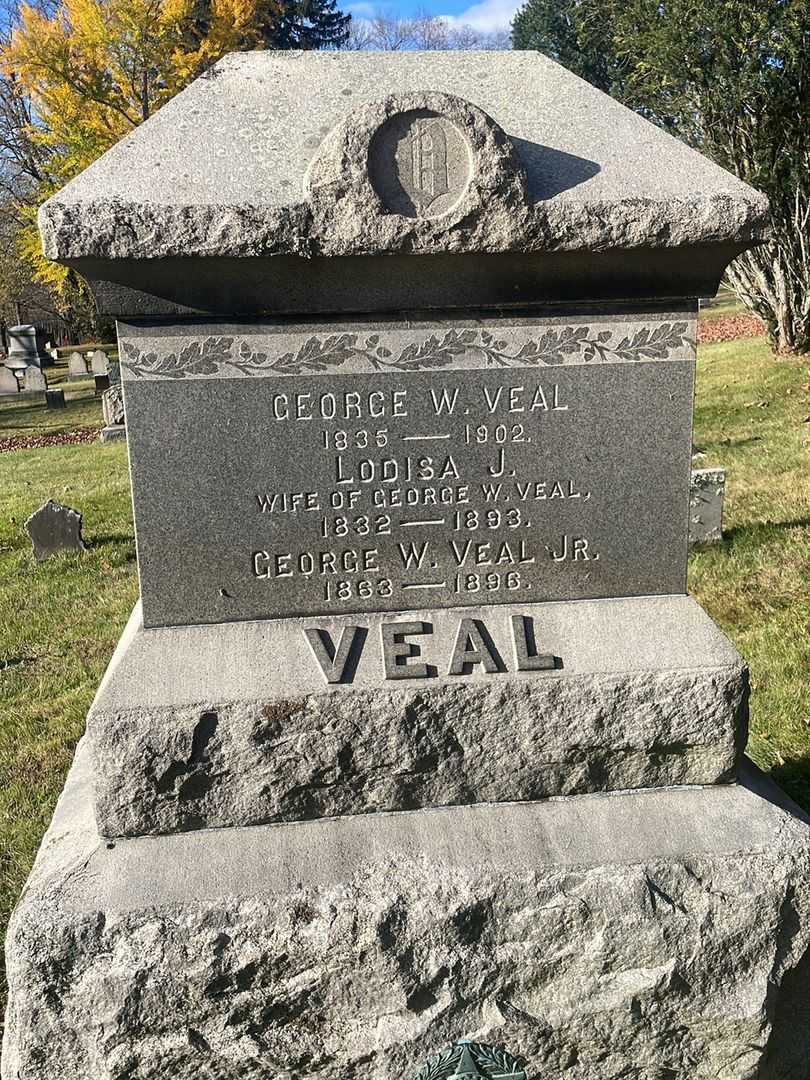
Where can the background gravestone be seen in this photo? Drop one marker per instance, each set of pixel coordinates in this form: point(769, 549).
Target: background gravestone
point(98, 362)
point(54, 528)
point(8, 381)
point(34, 381)
point(399, 584)
point(706, 496)
point(26, 346)
point(112, 404)
point(77, 366)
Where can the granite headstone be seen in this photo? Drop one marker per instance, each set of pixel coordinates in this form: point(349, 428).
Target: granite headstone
point(26, 346)
point(54, 528)
point(77, 366)
point(98, 362)
point(34, 381)
point(112, 405)
point(407, 353)
point(9, 384)
point(706, 496)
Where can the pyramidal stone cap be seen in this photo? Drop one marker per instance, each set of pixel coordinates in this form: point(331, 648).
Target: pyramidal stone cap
point(275, 160)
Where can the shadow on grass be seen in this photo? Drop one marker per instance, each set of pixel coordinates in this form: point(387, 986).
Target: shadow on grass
point(761, 530)
point(794, 779)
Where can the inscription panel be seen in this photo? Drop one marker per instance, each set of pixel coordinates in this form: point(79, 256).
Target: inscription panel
point(314, 491)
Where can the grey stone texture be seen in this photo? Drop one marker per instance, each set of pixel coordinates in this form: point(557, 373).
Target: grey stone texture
point(112, 405)
point(640, 935)
point(77, 366)
point(27, 346)
point(517, 428)
point(99, 364)
point(554, 165)
point(706, 497)
point(34, 381)
point(53, 529)
point(235, 724)
point(8, 382)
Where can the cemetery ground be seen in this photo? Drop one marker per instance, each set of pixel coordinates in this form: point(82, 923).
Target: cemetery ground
point(60, 621)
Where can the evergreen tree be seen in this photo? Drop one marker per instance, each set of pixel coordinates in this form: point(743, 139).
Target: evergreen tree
point(308, 24)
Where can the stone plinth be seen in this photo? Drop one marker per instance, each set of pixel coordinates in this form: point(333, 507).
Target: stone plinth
point(236, 724)
point(636, 934)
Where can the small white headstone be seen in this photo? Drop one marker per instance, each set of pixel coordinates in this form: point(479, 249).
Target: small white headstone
point(98, 362)
point(34, 380)
point(77, 367)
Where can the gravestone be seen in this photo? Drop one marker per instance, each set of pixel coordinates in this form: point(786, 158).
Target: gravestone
point(77, 366)
point(98, 362)
point(53, 529)
point(26, 347)
point(34, 381)
point(102, 383)
point(55, 399)
point(112, 405)
point(406, 571)
point(8, 382)
point(706, 496)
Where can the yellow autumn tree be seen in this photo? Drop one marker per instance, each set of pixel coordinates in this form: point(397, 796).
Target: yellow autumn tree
point(94, 69)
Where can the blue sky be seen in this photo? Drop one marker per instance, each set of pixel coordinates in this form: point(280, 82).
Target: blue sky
point(486, 15)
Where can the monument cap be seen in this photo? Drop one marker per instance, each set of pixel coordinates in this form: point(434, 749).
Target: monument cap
point(277, 180)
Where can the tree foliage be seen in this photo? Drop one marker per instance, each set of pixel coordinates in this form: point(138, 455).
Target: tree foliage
point(575, 33)
point(77, 75)
point(732, 78)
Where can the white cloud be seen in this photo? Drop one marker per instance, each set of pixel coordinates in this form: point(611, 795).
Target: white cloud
point(362, 9)
point(488, 16)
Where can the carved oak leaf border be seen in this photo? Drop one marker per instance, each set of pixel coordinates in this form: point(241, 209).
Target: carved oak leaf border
point(323, 353)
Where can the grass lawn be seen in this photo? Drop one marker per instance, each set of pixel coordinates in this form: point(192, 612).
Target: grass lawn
point(60, 621)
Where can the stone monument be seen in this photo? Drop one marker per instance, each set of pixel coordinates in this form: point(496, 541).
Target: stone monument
point(34, 381)
point(77, 366)
point(706, 498)
point(99, 365)
point(26, 347)
point(112, 405)
point(54, 528)
point(415, 757)
point(9, 384)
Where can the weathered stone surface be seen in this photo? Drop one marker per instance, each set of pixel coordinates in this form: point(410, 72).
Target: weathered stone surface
point(27, 347)
point(77, 366)
point(235, 724)
point(112, 405)
point(706, 496)
point(54, 528)
point(99, 364)
point(639, 935)
point(595, 175)
point(34, 381)
point(8, 381)
point(437, 462)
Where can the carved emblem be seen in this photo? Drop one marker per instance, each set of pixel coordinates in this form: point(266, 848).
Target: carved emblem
point(471, 1061)
point(420, 163)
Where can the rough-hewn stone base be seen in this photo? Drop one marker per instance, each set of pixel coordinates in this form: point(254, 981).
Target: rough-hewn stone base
point(234, 724)
point(637, 935)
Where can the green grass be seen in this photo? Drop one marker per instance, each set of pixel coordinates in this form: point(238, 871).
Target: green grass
point(27, 416)
point(725, 303)
point(59, 622)
point(753, 417)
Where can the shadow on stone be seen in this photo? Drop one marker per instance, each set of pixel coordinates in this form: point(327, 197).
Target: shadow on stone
point(551, 171)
